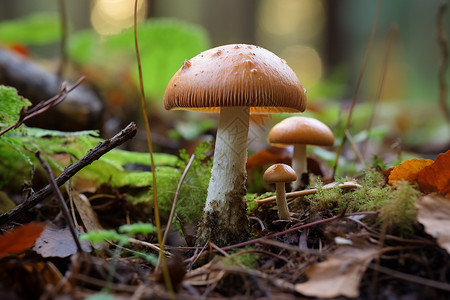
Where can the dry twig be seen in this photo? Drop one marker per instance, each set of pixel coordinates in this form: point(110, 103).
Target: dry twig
point(91, 156)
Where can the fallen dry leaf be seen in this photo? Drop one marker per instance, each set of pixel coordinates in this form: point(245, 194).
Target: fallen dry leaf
point(20, 238)
point(339, 275)
point(436, 177)
point(206, 274)
point(56, 242)
point(269, 156)
point(434, 214)
point(408, 170)
point(86, 212)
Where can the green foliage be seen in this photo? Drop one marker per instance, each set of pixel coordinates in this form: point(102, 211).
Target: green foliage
point(127, 230)
point(10, 105)
point(164, 45)
point(104, 295)
point(192, 129)
point(250, 197)
point(399, 210)
point(17, 163)
point(138, 228)
point(36, 29)
point(370, 197)
point(195, 186)
point(123, 238)
point(100, 236)
point(396, 204)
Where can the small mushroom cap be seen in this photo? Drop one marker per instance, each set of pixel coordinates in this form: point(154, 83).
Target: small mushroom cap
point(235, 75)
point(301, 130)
point(279, 173)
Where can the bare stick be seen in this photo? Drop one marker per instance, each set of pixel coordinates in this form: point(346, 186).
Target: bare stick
point(91, 156)
point(62, 203)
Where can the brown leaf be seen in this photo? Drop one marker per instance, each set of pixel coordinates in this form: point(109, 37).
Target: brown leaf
point(20, 238)
point(269, 156)
point(56, 242)
point(436, 177)
point(408, 170)
point(339, 275)
point(434, 214)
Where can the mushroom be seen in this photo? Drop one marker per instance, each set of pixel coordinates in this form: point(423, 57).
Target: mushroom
point(280, 174)
point(232, 80)
point(300, 131)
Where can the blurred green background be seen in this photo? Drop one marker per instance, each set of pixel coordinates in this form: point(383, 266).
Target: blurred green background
point(324, 42)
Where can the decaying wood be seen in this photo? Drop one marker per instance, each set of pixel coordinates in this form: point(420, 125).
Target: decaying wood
point(81, 110)
point(43, 106)
point(91, 156)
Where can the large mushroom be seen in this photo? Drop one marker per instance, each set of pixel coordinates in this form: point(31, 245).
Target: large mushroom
point(300, 131)
point(235, 81)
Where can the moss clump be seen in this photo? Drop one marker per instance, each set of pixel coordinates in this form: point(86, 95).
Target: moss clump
point(399, 211)
point(195, 186)
point(395, 204)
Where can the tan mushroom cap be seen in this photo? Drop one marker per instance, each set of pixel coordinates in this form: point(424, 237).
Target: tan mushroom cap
point(235, 75)
point(301, 130)
point(279, 173)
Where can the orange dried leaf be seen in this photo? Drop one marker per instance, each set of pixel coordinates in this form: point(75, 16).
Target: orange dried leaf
point(20, 238)
point(436, 177)
point(269, 156)
point(408, 170)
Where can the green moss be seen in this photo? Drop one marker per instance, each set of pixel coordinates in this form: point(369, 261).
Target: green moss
point(395, 204)
point(194, 190)
point(399, 211)
point(370, 197)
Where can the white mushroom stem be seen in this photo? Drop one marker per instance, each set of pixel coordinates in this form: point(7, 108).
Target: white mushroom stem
point(224, 216)
point(299, 164)
point(283, 210)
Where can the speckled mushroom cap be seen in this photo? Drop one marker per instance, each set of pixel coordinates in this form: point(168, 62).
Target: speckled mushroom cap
point(235, 75)
point(301, 130)
point(279, 173)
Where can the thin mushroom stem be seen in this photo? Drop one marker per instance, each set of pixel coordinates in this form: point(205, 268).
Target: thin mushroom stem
point(299, 164)
point(283, 210)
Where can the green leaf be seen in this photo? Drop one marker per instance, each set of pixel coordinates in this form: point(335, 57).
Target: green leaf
point(164, 44)
point(37, 29)
point(138, 228)
point(10, 105)
point(99, 236)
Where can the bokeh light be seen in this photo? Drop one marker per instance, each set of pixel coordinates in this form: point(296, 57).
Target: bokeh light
point(306, 63)
point(112, 16)
point(295, 20)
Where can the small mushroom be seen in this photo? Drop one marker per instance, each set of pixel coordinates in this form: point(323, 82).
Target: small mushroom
point(280, 174)
point(300, 131)
point(235, 81)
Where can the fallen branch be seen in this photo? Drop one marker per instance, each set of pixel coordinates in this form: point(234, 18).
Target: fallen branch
point(91, 156)
point(62, 203)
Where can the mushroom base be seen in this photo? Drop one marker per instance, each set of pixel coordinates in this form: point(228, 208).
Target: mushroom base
point(224, 226)
point(224, 218)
